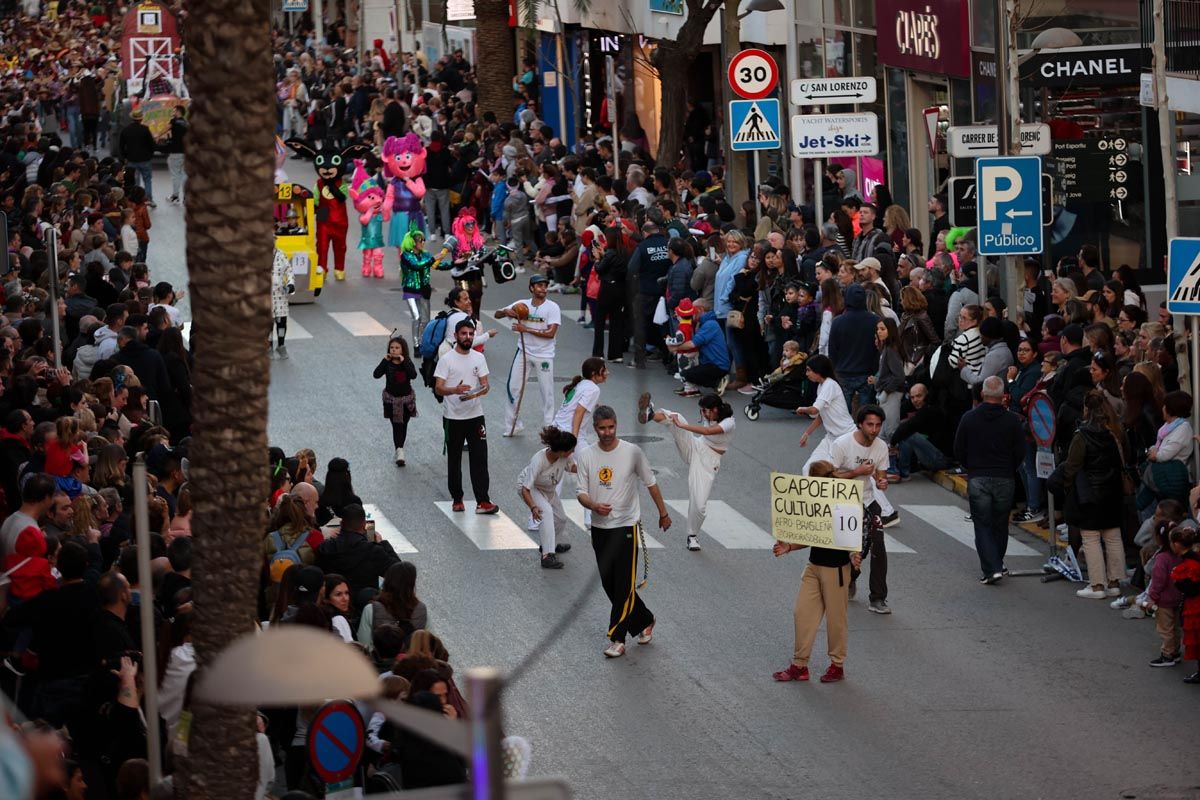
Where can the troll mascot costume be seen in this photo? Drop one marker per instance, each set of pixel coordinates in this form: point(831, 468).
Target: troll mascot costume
point(370, 201)
point(404, 163)
point(469, 239)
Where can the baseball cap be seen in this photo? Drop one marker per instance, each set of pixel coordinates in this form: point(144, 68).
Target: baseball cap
point(308, 582)
point(536, 278)
point(869, 262)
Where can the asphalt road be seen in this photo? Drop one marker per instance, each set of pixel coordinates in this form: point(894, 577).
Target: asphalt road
point(1020, 690)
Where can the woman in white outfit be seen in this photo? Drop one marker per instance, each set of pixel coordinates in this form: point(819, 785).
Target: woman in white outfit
point(539, 486)
point(700, 446)
point(828, 410)
point(580, 398)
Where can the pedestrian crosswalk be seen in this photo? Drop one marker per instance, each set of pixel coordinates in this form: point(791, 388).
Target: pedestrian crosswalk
point(387, 530)
point(357, 323)
point(950, 521)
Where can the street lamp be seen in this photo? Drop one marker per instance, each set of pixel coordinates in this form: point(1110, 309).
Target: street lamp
point(761, 5)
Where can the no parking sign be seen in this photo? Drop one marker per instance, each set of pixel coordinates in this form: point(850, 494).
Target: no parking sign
point(335, 741)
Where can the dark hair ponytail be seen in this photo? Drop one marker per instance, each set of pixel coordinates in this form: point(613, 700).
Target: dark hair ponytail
point(724, 410)
point(591, 368)
point(559, 441)
point(455, 293)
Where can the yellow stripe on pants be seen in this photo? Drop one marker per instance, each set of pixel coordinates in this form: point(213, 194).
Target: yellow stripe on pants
point(632, 585)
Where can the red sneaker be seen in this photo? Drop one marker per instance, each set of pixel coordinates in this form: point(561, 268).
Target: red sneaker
point(833, 674)
point(486, 508)
point(458, 506)
point(792, 673)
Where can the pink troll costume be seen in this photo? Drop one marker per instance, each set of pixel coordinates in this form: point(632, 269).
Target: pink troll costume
point(370, 201)
point(404, 162)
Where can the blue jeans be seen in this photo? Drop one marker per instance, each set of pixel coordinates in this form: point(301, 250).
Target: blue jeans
point(927, 454)
point(1035, 487)
point(735, 347)
point(991, 500)
point(145, 171)
point(74, 125)
point(856, 386)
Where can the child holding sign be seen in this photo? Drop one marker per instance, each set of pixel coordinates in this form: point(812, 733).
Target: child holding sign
point(824, 593)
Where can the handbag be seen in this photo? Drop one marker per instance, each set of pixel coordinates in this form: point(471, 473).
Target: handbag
point(660, 312)
point(737, 319)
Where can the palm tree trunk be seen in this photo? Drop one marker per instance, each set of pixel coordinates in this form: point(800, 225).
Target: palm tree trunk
point(495, 64)
point(230, 241)
point(675, 58)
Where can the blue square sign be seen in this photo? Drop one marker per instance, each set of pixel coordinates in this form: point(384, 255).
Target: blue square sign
point(755, 124)
point(1010, 205)
point(1183, 276)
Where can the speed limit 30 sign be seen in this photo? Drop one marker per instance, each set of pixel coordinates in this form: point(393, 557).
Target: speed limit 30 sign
point(753, 74)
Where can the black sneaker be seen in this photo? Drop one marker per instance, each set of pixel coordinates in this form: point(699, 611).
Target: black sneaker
point(1166, 661)
point(991, 580)
point(562, 548)
point(551, 562)
point(891, 520)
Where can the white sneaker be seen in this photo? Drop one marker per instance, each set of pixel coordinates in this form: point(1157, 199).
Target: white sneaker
point(1112, 591)
point(615, 650)
point(532, 525)
point(399, 456)
point(693, 542)
point(722, 384)
point(508, 432)
point(647, 635)
point(1089, 593)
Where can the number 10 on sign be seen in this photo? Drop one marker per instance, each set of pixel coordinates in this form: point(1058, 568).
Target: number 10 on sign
point(847, 525)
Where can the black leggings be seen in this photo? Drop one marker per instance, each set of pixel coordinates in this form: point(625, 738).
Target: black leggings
point(399, 430)
point(280, 329)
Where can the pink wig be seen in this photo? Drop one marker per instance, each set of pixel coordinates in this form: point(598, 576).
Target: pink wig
point(409, 143)
point(467, 242)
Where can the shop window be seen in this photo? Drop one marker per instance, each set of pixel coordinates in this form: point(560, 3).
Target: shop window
point(864, 14)
point(983, 24)
point(837, 12)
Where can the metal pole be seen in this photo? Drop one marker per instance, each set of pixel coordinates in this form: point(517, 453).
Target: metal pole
point(318, 15)
point(610, 70)
point(818, 194)
point(1005, 138)
point(1166, 143)
point(731, 37)
point(791, 71)
point(559, 56)
point(52, 252)
point(141, 514)
point(487, 766)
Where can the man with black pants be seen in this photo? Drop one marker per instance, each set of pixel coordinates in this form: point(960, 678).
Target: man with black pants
point(606, 479)
point(862, 455)
point(649, 262)
point(461, 379)
point(990, 444)
point(712, 371)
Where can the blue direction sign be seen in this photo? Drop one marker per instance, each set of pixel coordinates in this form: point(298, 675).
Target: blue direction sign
point(1183, 276)
point(1010, 205)
point(755, 124)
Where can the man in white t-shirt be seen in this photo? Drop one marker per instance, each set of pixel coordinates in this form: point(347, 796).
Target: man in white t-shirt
point(461, 379)
point(608, 476)
point(536, 347)
point(862, 455)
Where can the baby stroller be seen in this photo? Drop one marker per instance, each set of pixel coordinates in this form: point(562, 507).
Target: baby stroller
point(791, 391)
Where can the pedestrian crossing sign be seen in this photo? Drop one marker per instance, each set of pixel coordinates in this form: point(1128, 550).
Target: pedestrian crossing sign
point(755, 124)
point(1183, 276)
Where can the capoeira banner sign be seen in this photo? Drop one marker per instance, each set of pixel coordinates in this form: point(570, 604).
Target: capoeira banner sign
point(818, 512)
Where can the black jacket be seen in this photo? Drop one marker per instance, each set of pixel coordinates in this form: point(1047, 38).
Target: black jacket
point(990, 442)
point(62, 621)
point(930, 421)
point(150, 368)
point(136, 143)
point(361, 561)
point(852, 336)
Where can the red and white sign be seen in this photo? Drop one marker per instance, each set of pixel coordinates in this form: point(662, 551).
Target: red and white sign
point(931, 115)
point(753, 74)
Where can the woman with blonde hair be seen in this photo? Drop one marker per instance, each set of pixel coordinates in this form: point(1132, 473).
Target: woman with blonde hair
point(1153, 373)
point(84, 524)
point(895, 223)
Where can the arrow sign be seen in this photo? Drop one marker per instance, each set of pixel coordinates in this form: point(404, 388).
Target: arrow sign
point(832, 91)
point(1012, 212)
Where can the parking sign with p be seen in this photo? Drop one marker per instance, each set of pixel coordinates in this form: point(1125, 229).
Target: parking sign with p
point(1010, 205)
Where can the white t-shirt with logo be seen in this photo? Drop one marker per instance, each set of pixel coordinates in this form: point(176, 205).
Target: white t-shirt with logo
point(586, 394)
point(540, 319)
point(614, 477)
point(847, 453)
point(456, 367)
point(540, 474)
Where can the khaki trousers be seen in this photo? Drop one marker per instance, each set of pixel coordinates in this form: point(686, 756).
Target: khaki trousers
point(824, 592)
point(1166, 622)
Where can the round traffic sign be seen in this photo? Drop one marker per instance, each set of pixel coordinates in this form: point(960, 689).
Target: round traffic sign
point(335, 741)
point(1041, 419)
point(753, 74)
